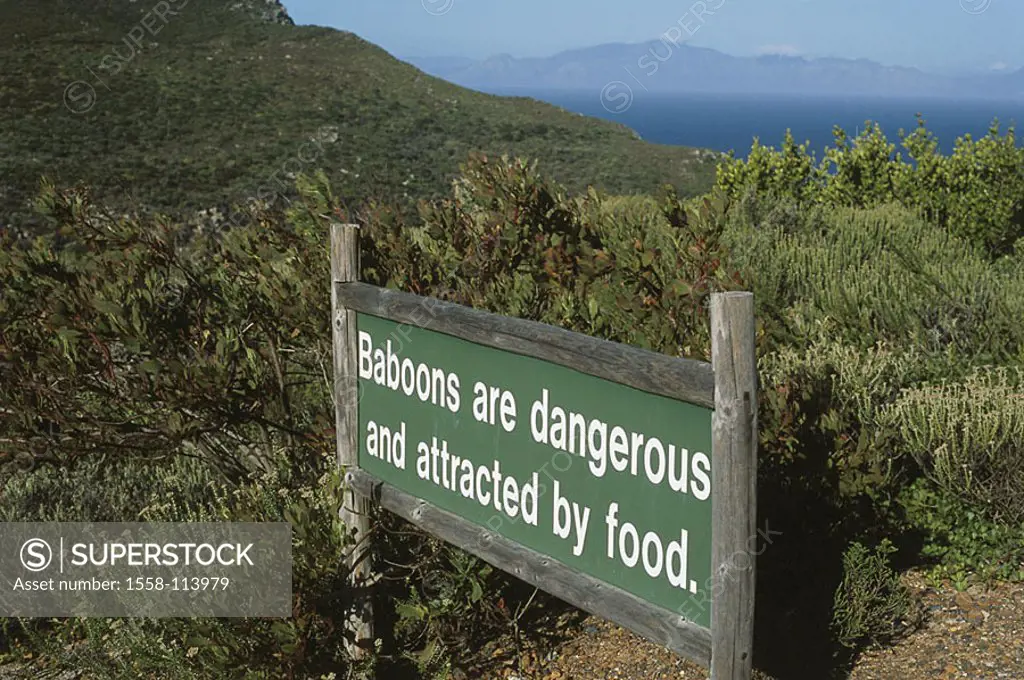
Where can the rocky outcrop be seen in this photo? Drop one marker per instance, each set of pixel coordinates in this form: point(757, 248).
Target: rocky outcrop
point(266, 10)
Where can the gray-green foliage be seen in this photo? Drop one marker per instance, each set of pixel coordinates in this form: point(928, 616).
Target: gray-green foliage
point(871, 604)
point(862, 380)
point(104, 491)
point(836, 392)
point(867, 302)
point(968, 437)
point(881, 274)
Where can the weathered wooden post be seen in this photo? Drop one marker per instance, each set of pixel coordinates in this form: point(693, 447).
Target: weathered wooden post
point(734, 478)
point(356, 507)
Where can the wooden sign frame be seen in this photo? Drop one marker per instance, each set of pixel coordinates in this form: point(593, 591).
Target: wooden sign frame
point(728, 385)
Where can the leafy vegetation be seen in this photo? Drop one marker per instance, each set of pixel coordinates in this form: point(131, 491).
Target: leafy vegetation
point(185, 489)
point(977, 192)
point(980, 463)
point(963, 545)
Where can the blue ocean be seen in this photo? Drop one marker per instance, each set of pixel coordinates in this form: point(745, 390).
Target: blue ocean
point(731, 122)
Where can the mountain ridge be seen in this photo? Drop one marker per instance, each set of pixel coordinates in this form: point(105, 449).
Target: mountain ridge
point(662, 66)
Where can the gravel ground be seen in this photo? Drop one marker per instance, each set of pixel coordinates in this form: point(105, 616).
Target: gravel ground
point(974, 635)
point(606, 651)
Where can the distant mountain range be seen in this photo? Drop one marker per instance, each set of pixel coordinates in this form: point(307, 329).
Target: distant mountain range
point(664, 67)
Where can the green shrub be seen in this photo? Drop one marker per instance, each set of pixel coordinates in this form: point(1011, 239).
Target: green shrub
point(871, 604)
point(514, 243)
point(962, 543)
point(125, 335)
point(879, 274)
point(824, 399)
point(976, 193)
point(968, 438)
point(860, 304)
point(445, 603)
point(790, 171)
point(105, 492)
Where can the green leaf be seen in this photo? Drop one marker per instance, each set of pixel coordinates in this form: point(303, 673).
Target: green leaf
point(107, 307)
point(415, 612)
point(68, 334)
point(680, 287)
point(282, 630)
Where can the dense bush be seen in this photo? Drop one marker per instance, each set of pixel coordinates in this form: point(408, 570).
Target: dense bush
point(880, 274)
point(977, 192)
point(823, 402)
point(162, 375)
point(962, 543)
point(122, 337)
point(968, 438)
point(513, 243)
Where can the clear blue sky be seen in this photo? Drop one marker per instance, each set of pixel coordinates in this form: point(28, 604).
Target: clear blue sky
point(936, 35)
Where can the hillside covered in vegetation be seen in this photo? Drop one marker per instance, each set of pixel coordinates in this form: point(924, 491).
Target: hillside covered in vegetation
point(188, 104)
